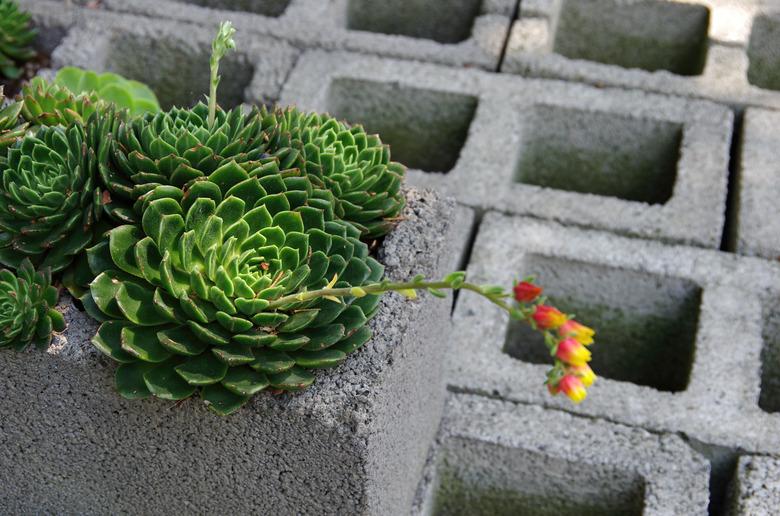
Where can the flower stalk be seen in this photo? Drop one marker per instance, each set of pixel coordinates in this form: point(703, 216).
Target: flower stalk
point(221, 45)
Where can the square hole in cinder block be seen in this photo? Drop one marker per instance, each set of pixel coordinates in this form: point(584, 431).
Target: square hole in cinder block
point(445, 21)
point(599, 153)
point(271, 8)
point(645, 323)
point(177, 70)
point(769, 400)
point(647, 34)
point(477, 478)
point(764, 52)
point(425, 129)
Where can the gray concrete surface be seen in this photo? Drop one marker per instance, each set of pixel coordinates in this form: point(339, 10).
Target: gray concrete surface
point(355, 443)
point(756, 486)
point(626, 161)
point(757, 187)
point(497, 457)
point(722, 50)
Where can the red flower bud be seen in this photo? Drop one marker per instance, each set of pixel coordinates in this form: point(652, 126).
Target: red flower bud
point(526, 292)
point(548, 317)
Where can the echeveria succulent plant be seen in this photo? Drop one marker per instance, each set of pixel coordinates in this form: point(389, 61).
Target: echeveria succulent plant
point(49, 199)
point(11, 126)
point(354, 165)
point(124, 93)
point(46, 103)
point(27, 315)
point(188, 296)
point(16, 37)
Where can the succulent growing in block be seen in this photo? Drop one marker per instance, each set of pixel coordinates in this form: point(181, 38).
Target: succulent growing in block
point(16, 37)
point(49, 200)
point(75, 94)
point(185, 296)
point(354, 165)
point(27, 315)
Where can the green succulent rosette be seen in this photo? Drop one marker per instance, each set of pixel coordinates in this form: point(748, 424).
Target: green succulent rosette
point(185, 295)
point(134, 96)
point(11, 126)
point(16, 38)
point(49, 198)
point(354, 165)
point(45, 103)
point(27, 315)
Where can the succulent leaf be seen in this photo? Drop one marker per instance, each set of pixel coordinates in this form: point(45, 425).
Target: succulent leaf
point(27, 314)
point(188, 288)
point(16, 38)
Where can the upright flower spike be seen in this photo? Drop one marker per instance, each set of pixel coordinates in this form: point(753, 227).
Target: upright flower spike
point(49, 201)
point(27, 315)
point(16, 38)
point(222, 44)
point(187, 296)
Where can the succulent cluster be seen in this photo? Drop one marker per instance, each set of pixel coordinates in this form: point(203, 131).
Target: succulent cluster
point(16, 37)
point(223, 251)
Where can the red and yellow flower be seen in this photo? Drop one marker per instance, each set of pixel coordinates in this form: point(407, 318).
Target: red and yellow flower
point(525, 292)
point(577, 331)
point(572, 352)
point(548, 317)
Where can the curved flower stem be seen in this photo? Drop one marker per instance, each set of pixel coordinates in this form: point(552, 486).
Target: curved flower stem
point(223, 42)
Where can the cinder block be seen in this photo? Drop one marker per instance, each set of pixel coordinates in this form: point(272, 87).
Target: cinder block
point(354, 443)
point(625, 161)
point(756, 486)
point(497, 457)
point(686, 338)
point(758, 187)
point(172, 57)
point(454, 32)
point(722, 50)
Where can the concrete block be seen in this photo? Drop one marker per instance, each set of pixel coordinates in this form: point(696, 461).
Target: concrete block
point(173, 58)
point(497, 457)
point(756, 486)
point(454, 32)
point(625, 161)
point(757, 212)
point(722, 50)
point(355, 443)
point(686, 338)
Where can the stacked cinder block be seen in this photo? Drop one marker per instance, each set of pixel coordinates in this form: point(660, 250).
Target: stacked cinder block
point(723, 50)
point(454, 32)
point(756, 487)
point(353, 443)
point(496, 457)
point(625, 161)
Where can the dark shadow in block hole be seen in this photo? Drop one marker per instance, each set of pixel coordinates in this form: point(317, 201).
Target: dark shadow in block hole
point(476, 478)
point(647, 34)
point(445, 21)
point(769, 400)
point(764, 52)
point(177, 70)
point(272, 8)
point(425, 129)
point(599, 153)
point(645, 323)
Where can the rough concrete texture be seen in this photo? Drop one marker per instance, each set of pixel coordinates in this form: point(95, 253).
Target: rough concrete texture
point(756, 208)
point(626, 161)
point(756, 486)
point(454, 32)
point(686, 338)
point(497, 457)
point(723, 50)
point(171, 57)
point(355, 443)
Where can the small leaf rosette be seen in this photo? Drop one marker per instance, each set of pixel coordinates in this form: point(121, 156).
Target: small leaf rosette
point(27, 315)
point(49, 200)
point(354, 165)
point(46, 103)
point(16, 38)
point(11, 126)
point(185, 296)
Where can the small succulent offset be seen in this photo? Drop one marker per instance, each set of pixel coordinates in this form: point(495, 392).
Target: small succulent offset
point(49, 197)
point(11, 128)
point(27, 314)
point(76, 94)
point(16, 37)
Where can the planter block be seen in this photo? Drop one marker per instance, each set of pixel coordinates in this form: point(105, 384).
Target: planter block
point(354, 443)
point(756, 486)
